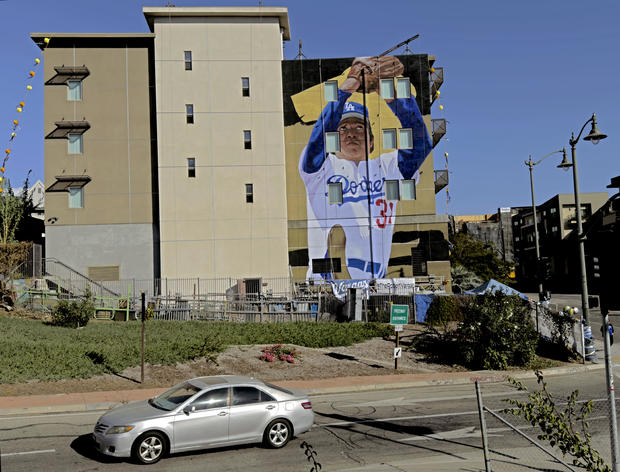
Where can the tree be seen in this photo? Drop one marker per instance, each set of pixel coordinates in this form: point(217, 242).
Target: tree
point(497, 332)
point(463, 279)
point(478, 257)
point(565, 428)
point(12, 211)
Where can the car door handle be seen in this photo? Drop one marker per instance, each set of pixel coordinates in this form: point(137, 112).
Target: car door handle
point(270, 407)
point(222, 413)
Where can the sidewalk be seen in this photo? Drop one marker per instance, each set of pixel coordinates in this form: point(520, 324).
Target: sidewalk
point(92, 401)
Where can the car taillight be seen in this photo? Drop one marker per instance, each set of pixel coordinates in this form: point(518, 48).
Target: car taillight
point(306, 405)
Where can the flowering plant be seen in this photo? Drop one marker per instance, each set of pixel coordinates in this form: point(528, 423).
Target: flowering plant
point(278, 351)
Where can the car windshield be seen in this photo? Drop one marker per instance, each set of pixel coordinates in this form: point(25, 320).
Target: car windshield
point(172, 398)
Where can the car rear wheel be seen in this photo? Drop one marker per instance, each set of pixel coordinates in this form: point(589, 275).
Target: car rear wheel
point(149, 448)
point(277, 434)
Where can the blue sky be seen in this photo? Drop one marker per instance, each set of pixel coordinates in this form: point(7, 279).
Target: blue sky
point(519, 78)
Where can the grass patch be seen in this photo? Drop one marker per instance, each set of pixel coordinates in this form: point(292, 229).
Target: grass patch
point(33, 350)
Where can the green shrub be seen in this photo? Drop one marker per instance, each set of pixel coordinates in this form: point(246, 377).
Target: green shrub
point(497, 332)
point(444, 309)
point(73, 314)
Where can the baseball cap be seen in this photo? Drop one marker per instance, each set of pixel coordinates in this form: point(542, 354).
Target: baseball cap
point(354, 110)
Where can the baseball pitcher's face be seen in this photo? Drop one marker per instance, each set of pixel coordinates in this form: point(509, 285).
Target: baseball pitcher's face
point(352, 140)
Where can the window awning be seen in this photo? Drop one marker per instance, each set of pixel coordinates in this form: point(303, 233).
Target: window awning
point(64, 128)
point(65, 182)
point(66, 73)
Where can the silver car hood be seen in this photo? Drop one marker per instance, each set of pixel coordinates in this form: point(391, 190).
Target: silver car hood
point(132, 413)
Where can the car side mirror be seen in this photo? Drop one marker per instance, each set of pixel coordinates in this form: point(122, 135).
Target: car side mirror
point(189, 409)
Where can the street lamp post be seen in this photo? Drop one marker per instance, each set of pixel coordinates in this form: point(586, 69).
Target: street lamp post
point(595, 136)
point(531, 165)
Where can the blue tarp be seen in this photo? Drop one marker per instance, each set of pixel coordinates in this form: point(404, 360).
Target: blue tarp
point(422, 302)
point(493, 286)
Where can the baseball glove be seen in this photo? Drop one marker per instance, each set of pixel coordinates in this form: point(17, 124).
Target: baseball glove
point(375, 68)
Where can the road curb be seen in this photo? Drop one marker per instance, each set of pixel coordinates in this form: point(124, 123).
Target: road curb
point(480, 376)
point(449, 378)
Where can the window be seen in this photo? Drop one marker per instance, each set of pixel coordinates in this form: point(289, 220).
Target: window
point(389, 139)
point(74, 90)
point(391, 190)
point(554, 229)
point(217, 398)
point(191, 167)
point(403, 88)
point(387, 88)
point(331, 91)
point(188, 60)
point(553, 210)
point(75, 143)
point(405, 138)
point(517, 239)
point(249, 193)
point(245, 86)
point(76, 197)
point(332, 142)
point(329, 265)
point(189, 113)
point(408, 188)
point(247, 139)
point(334, 191)
point(249, 395)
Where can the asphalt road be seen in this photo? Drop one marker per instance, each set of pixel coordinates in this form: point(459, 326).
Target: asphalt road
point(431, 428)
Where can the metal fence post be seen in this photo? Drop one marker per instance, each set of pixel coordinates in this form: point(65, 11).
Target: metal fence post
point(613, 425)
point(583, 342)
point(483, 430)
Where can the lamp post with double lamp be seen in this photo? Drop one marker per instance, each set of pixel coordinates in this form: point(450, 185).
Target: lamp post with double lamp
point(595, 136)
point(531, 165)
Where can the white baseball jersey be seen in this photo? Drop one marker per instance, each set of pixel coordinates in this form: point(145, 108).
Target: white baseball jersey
point(352, 213)
point(318, 169)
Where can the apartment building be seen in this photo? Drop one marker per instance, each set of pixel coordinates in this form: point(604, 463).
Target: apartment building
point(175, 153)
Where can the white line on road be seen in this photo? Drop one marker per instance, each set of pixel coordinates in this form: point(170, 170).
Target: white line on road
point(44, 451)
point(417, 417)
point(398, 418)
point(413, 401)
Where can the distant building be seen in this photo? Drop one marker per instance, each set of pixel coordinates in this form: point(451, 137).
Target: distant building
point(494, 229)
point(37, 193)
point(556, 220)
point(602, 250)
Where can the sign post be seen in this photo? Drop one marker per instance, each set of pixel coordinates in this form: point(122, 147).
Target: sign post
point(143, 312)
point(399, 316)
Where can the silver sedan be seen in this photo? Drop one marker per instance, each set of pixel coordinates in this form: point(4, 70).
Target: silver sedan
point(202, 413)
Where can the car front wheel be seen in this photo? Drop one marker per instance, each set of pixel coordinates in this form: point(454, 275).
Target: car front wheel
point(149, 448)
point(278, 433)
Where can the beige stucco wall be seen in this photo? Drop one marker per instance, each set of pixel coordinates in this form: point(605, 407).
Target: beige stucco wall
point(116, 148)
point(207, 228)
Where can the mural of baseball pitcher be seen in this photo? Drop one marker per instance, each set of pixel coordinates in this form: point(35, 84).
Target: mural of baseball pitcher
point(338, 223)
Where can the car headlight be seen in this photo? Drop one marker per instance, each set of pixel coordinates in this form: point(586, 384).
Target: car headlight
point(119, 429)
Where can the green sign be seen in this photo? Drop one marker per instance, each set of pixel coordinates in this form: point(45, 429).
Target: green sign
point(399, 314)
